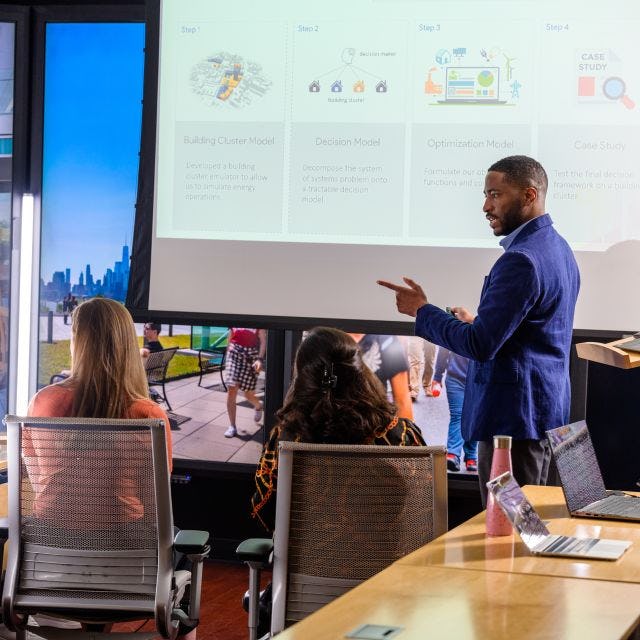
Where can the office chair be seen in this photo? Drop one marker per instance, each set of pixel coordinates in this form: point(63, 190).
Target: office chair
point(91, 528)
point(343, 513)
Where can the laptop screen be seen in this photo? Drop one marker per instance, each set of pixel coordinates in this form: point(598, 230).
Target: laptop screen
point(473, 84)
point(508, 494)
point(577, 465)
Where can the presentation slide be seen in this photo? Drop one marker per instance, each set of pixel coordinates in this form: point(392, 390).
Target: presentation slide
point(305, 150)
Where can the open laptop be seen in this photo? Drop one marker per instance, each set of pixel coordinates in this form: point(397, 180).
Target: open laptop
point(581, 479)
point(477, 85)
point(536, 536)
point(632, 345)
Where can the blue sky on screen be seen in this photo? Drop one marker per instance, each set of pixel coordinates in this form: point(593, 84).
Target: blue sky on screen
point(93, 93)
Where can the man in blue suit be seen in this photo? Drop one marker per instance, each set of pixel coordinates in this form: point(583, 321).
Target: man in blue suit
point(519, 342)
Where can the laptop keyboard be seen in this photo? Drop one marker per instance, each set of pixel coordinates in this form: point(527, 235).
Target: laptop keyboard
point(569, 544)
point(615, 506)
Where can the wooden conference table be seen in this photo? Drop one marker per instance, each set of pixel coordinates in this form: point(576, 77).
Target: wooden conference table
point(467, 585)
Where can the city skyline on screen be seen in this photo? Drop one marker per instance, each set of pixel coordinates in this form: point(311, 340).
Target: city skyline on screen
point(92, 120)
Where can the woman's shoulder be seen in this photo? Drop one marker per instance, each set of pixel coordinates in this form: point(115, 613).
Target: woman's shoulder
point(403, 432)
point(412, 434)
point(54, 401)
point(273, 438)
point(57, 390)
point(146, 408)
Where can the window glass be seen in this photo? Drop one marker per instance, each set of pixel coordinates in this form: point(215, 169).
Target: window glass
point(7, 48)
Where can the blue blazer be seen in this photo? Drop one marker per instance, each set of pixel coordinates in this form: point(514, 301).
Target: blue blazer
point(518, 377)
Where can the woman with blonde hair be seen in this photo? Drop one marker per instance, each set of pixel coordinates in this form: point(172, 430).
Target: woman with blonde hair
point(107, 381)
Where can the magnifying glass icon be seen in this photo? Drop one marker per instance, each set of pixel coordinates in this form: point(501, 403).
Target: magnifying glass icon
point(615, 88)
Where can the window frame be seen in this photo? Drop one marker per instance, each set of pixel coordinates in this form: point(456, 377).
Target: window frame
point(19, 16)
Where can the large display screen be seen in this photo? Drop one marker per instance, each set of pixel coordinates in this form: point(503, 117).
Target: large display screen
point(304, 150)
point(91, 140)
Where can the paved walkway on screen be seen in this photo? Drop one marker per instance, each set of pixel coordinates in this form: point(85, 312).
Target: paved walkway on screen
point(202, 437)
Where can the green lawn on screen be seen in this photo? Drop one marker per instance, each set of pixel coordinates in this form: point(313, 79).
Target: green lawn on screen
point(55, 357)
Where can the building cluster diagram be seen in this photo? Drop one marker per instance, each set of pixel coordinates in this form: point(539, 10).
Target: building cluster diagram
point(226, 78)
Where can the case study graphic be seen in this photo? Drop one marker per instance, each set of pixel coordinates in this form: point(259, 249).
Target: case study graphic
point(228, 79)
point(464, 76)
point(601, 78)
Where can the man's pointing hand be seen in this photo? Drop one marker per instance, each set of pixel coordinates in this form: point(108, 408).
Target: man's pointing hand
point(408, 299)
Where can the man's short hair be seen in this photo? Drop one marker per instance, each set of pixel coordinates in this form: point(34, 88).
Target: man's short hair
point(522, 171)
point(154, 326)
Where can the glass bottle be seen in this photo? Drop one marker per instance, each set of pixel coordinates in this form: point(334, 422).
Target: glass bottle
point(497, 523)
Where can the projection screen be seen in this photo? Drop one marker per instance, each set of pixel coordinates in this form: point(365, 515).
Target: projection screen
point(304, 150)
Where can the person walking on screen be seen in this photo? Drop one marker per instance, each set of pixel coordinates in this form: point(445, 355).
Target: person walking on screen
point(386, 357)
point(453, 368)
point(519, 342)
point(422, 359)
point(245, 358)
point(65, 307)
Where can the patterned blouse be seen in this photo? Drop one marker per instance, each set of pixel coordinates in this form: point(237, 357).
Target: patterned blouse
point(399, 432)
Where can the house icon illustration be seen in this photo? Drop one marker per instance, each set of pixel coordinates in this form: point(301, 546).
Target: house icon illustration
point(381, 87)
point(314, 87)
point(443, 56)
point(336, 87)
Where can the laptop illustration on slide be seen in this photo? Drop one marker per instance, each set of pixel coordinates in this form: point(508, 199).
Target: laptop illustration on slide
point(472, 85)
point(536, 536)
point(581, 479)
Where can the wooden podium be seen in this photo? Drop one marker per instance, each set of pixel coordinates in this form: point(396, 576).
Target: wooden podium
point(611, 411)
point(609, 353)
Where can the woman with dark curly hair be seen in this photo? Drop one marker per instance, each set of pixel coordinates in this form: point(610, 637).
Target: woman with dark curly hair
point(333, 399)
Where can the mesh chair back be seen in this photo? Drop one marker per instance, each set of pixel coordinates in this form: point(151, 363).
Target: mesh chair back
point(156, 364)
point(346, 512)
point(90, 518)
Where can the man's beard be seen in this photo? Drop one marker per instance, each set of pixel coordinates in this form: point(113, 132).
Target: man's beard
point(512, 219)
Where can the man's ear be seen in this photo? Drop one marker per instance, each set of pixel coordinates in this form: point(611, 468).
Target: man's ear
point(530, 195)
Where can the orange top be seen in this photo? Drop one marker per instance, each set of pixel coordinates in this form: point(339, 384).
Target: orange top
point(56, 401)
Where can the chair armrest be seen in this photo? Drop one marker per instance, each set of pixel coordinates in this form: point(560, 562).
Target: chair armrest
point(194, 545)
point(255, 550)
point(191, 542)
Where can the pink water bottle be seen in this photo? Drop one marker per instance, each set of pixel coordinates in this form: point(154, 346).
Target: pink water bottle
point(497, 523)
